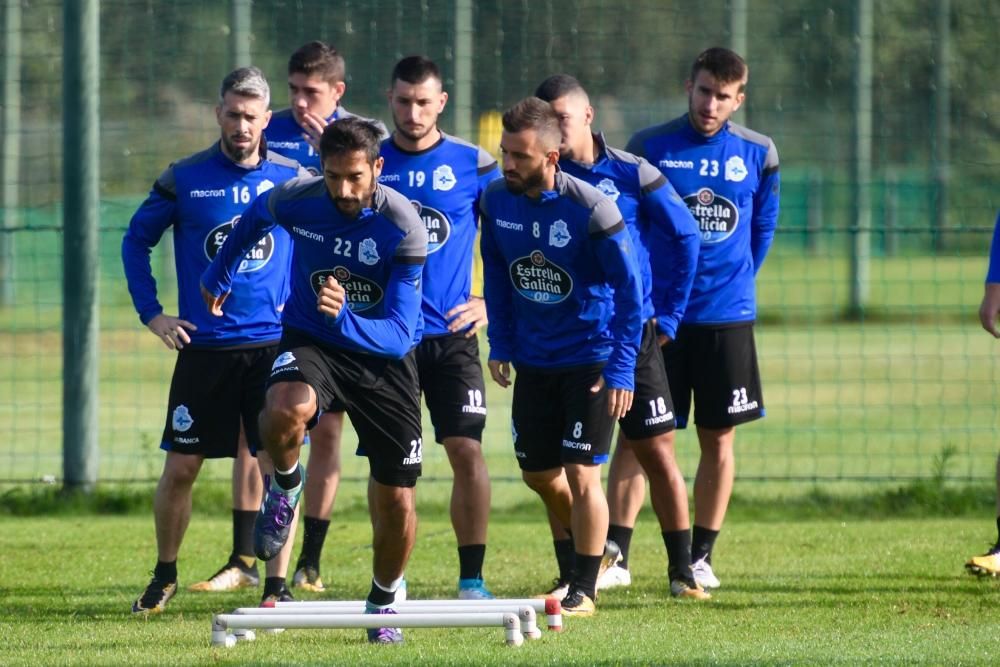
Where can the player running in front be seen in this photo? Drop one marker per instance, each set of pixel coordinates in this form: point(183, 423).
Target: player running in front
point(728, 176)
point(660, 225)
point(565, 308)
point(349, 329)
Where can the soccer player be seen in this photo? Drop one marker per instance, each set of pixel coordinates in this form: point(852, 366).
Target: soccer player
point(659, 224)
point(728, 176)
point(218, 381)
point(989, 563)
point(443, 178)
point(564, 303)
point(349, 329)
point(316, 85)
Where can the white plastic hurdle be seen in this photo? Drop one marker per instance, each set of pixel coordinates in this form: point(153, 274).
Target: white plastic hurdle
point(222, 622)
point(525, 613)
point(550, 607)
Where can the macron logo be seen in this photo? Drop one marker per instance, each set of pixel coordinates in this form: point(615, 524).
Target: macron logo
point(203, 194)
point(507, 224)
point(677, 164)
point(309, 235)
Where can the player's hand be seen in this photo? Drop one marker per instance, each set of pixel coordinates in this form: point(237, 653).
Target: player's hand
point(990, 308)
point(173, 331)
point(619, 400)
point(313, 126)
point(500, 372)
point(663, 339)
point(471, 315)
point(213, 302)
point(331, 297)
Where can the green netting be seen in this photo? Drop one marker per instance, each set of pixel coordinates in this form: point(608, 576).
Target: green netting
point(870, 397)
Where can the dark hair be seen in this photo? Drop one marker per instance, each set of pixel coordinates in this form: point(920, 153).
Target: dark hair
point(532, 113)
point(318, 58)
point(558, 86)
point(349, 135)
point(415, 69)
point(725, 65)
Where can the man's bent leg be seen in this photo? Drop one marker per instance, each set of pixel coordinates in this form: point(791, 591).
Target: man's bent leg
point(322, 482)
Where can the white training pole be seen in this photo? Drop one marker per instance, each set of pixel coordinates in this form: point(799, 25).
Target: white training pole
point(508, 620)
point(525, 613)
point(549, 606)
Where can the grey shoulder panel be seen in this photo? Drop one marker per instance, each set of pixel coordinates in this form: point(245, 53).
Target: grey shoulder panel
point(745, 133)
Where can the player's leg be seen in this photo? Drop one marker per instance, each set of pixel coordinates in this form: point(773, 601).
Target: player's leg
point(727, 392)
point(240, 570)
point(322, 482)
point(626, 493)
point(276, 570)
point(451, 378)
point(989, 562)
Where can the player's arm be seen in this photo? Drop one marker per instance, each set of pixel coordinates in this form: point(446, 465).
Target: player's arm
point(256, 222)
point(673, 247)
point(144, 231)
point(613, 251)
point(499, 301)
point(765, 208)
point(990, 308)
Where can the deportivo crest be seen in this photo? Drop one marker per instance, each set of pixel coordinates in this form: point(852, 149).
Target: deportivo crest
point(264, 186)
point(443, 178)
point(559, 234)
point(736, 170)
point(717, 216)
point(256, 258)
point(283, 359)
point(362, 293)
point(182, 419)
point(368, 252)
point(608, 187)
point(438, 227)
point(539, 280)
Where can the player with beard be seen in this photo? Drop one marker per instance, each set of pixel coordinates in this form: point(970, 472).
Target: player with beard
point(443, 177)
point(563, 296)
point(218, 382)
point(349, 329)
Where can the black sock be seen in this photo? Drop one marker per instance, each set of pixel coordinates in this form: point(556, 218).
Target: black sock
point(470, 561)
point(566, 558)
point(274, 586)
point(242, 535)
point(702, 542)
point(379, 597)
point(312, 541)
point(622, 536)
point(586, 574)
point(678, 544)
point(165, 571)
point(289, 482)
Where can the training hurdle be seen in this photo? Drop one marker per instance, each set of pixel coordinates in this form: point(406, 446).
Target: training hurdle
point(549, 606)
point(525, 613)
point(240, 623)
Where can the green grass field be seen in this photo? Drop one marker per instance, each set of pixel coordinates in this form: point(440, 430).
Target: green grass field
point(840, 590)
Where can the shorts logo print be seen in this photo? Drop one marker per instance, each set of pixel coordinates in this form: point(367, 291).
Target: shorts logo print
point(182, 419)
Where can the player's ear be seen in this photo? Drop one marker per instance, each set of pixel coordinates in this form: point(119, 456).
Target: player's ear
point(267, 118)
point(444, 100)
point(377, 166)
point(739, 100)
point(339, 88)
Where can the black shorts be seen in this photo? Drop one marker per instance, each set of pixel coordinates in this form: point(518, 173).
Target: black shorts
point(381, 396)
point(451, 377)
point(210, 393)
point(652, 410)
point(555, 419)
point(718, 365)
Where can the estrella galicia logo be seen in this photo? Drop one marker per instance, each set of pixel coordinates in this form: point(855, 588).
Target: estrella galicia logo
point(438, 227)
point(608, 187)
point(182, 419)
point(256, 259)
point(717, 216)
point(362, 293)
point(539, 280)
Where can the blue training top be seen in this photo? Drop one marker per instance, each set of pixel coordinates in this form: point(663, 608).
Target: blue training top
point(286, 136)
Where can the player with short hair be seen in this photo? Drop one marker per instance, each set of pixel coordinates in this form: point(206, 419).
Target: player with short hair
point(989, 562)
point(660, 225)
point(564, 303)
point(218, 382)
point(349, 329)
point(443, 177)
point(728, 176)
point(316, 85)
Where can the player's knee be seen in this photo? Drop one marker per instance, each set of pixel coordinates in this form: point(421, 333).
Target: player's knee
point(181, 470)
